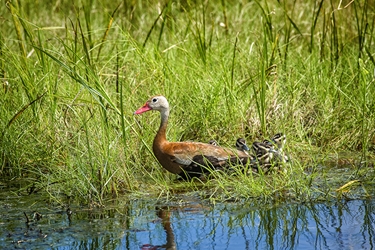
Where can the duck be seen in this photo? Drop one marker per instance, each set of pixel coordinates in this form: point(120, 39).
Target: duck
point(278, 142)
point(213, 142)
point(269, 153)
point(187, 159)
point(241, 145)
point(264, 152)
point(253, 162)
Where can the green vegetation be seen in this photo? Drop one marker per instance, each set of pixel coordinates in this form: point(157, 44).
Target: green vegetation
point(71, 76)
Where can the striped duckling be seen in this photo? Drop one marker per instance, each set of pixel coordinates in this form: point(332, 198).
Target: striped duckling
point(269, 153)
point(241, 145)
point(213, 142)
point(278, 142)
point(264, 152)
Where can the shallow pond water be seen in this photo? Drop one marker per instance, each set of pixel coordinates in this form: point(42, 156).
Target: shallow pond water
point(30, 222)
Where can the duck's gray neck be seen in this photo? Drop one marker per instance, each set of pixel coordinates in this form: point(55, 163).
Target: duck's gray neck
point(164, 117)
point(161, 135)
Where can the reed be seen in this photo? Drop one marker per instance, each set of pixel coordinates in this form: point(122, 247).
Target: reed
point(71, 80)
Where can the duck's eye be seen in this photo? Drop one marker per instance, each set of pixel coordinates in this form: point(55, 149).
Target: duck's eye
point(154, 100)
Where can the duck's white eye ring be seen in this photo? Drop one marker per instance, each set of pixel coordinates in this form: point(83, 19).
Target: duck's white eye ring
point(154, 99)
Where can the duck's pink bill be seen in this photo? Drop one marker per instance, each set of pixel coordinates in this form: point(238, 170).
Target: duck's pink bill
point(142, 109)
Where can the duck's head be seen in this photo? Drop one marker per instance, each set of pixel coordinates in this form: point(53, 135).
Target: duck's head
point(158, 102)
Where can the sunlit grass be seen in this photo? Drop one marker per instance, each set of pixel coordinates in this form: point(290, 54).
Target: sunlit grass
point(70, 83)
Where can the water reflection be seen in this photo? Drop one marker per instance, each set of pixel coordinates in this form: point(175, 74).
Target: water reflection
point(192, 225)
point(339, 225)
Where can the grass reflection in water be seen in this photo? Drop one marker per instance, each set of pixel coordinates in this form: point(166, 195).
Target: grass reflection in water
point(194, 225)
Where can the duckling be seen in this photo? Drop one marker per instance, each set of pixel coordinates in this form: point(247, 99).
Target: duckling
point(264, 152)
point(213, 142)
point(279, 140)
point(269, 153)
point(241, 145)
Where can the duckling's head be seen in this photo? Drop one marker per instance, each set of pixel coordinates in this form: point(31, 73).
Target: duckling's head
point(279, 139)
point(241, 145)
point(213, 142)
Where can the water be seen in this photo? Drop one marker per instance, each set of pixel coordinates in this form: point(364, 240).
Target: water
point(186, 224)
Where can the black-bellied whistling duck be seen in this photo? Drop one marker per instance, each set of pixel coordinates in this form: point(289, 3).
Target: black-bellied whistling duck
point(279, 141)
point(270, 153)
point(253, 162)
point(213, 142)
point(241, 145)
point(187, 159)
point(264, 152)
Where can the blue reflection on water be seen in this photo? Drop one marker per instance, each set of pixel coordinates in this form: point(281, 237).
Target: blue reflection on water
point(344, 225)
point(193, 225)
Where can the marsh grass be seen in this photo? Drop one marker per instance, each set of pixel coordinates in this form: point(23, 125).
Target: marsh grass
point(71, 79)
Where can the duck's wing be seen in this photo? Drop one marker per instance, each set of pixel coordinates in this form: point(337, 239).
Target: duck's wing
point(188, 153)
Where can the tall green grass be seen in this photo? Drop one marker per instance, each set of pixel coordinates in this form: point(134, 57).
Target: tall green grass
point(72, 77)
